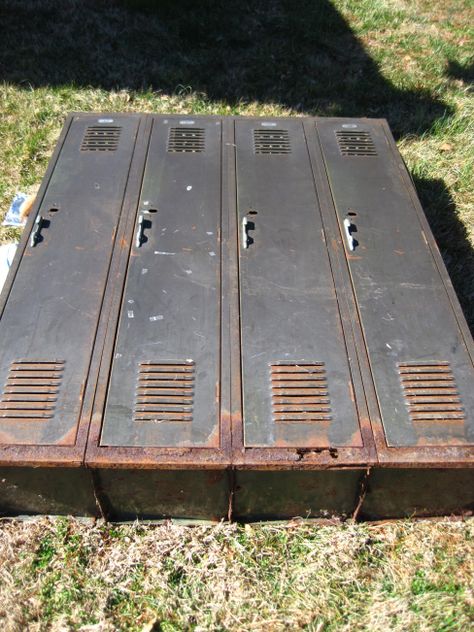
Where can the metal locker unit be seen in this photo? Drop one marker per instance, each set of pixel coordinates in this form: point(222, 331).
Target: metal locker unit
point(161, 400)
point(50, 311)
point(296, 380)
point(417, 343)
point(420, 361)
point(232, 317)
point(302, 406)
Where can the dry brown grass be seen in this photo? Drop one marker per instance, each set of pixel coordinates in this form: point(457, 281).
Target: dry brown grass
point(65, 574)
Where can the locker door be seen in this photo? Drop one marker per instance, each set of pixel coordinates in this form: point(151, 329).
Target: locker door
point(297, 387)
point(423, 373)
point(164, 386)
point(48, 325)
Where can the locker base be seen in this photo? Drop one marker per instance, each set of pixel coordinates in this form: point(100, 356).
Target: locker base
point(239, 495)
point(47, 490)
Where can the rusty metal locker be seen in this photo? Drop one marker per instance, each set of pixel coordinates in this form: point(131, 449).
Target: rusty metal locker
point(234, 318)
point(51, 307)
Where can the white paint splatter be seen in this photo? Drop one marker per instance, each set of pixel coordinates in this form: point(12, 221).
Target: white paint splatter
point(189, 187)
point(212, 254)
point(188, 271)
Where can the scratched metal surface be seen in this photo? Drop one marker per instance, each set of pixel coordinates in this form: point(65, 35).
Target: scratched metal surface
point(54, 304)
point(170, 309)
point(289, 311)
point(405, 311)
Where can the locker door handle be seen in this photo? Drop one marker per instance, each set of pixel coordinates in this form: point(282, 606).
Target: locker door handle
point(247, 225)
point(349, 228)
point(36, 233)
point(140, 228)
point(245, 235)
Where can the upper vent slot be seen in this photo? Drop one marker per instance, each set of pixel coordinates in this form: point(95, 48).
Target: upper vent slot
point(188, 140)
point(355, 143)
point(101, 138)
point(31, 391)
point(271, 141)
point(300, 392)
point(430, 391)
point(165, 392)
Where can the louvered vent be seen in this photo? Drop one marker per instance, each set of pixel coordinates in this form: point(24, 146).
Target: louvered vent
point(165, 392)
point(188, 140)
point(101, 138)
point(271, 141)
point(31, 391)
point(355, 143)
point(430, 391)
point(299, 392)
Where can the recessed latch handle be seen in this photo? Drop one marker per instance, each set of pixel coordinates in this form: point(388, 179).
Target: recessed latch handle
point(348, 227)
point(140, 227)
point(245, 235)
point(36, 233)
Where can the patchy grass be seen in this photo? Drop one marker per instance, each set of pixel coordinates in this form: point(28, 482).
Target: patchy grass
point(65, 574)
point(407, 60)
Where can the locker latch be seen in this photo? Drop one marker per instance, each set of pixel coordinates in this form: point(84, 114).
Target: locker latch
point(140, 227)
point(247, 225)
point(350, 228)
point(36, 233)
point(245, 235)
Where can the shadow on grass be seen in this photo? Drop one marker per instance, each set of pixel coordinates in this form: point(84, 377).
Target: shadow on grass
point(458, 71)
point(452, 239)
point(300, 55)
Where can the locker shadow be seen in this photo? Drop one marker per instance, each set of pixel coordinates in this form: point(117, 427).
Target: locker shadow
point(452, 239)
point(303, 55)
point(455, 70)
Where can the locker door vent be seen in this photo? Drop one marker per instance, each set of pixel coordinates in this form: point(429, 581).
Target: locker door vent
point(353, 143)
point(165, 392)
point(101, 138)
point(299, 392)
point(31, 391)
point(430, 392)
point(271, 141)
point(188, 140)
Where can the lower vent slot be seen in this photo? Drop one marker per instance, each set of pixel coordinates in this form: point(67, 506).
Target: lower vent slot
point(165, 392)
point(430, 392)
point(299, 392)
point(31, 390)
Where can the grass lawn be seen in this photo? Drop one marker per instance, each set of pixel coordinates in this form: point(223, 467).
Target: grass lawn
point(410, 61)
